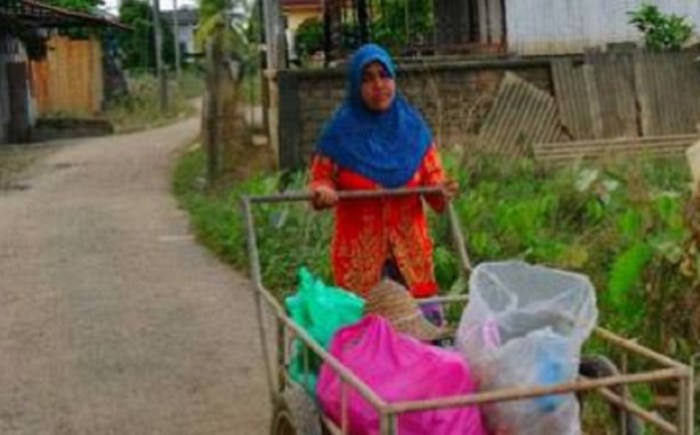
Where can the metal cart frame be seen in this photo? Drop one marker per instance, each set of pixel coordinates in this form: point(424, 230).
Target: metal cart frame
point(287, 331)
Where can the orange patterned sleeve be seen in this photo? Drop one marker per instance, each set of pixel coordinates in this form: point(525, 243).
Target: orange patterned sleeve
point(323, 172)
point(433, 174)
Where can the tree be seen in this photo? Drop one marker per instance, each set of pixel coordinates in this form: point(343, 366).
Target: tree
point(139, 43)
point(234, 17)
point(309, 37)
point(76, 5)
point(399, 22)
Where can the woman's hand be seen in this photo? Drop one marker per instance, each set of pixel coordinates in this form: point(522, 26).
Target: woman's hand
point(450, 189)
point(324, 197)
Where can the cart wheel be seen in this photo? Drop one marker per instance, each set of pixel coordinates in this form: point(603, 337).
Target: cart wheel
point(295, 413)
point(599, 366)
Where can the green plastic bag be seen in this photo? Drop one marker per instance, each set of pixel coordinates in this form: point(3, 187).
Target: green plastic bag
point(320, 310)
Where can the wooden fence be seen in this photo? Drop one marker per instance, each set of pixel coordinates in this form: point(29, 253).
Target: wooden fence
point(70, 79)
point(602, 104)
point(562, 152)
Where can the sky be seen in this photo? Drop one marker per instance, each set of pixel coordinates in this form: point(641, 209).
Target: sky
point(113, 5)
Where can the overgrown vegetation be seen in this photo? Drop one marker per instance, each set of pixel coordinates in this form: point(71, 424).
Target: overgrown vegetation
point(234, 18)
point(140, 108)
point(662, 32)
point(308, 39)
point(76, 5)
point(624, 225)
point(401, 22)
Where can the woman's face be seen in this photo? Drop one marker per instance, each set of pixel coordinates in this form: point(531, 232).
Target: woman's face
point(377, 87)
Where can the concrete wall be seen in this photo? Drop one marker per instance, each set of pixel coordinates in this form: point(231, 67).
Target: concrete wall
point(453, 97)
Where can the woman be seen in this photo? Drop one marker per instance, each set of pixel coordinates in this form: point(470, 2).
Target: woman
point(376, 140)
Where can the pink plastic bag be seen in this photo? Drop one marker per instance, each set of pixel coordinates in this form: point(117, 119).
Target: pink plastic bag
point(398, 368)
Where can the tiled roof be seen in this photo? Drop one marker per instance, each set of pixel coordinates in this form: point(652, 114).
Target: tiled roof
point(33, 13)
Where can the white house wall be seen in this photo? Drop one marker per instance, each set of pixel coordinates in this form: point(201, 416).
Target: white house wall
point(570, 26)
point(186, 38)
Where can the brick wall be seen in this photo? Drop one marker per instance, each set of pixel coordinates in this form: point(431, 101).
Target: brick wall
point(453, 98)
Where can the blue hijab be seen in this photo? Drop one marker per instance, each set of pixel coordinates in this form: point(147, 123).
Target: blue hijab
point(386, 147)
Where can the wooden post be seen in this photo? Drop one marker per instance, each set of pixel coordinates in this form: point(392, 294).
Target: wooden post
point(211, 136)
point(162, 79)
point(18, 87)
point(363, 18)
point(333, 15)
point(176, 41)
point(264, 89)
point(274, 35)
point(482, 10)
point(275, 56)
point(497, 20)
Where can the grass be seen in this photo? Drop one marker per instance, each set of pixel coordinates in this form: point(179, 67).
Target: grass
point(252, 90)
point(588, 218)
point(141, 108)
point(191, 84)
point(288, 236)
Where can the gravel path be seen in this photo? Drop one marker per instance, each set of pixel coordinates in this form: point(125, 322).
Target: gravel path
point(112, 319)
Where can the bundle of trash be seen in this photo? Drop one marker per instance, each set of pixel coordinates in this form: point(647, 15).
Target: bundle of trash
point(524, 326)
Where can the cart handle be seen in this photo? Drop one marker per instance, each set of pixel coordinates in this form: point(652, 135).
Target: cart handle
point(345, 194)
point(303, 196)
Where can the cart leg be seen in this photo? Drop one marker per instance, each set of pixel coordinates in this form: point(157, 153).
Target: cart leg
point(390, 424)
point(295, 413)
point(269, 369)
point(458, 240)
point(257, 281)
point(685, 404)
point(600, 367)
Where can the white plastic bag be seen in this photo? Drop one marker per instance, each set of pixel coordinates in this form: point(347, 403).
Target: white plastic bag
point(524, 326)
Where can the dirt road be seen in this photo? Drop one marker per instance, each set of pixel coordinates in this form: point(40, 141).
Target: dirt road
point(112, 319)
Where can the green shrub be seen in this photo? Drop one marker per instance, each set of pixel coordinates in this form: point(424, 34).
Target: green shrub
point(661, 31)
point(309, 37)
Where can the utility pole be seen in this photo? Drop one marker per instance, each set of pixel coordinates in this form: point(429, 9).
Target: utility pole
point(275, 51)
point(176, 40)
point(363, 18)
point(162, 79)
point(274, 36)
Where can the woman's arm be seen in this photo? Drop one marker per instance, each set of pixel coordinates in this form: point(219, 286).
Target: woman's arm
point(433, 174)
point(323, 182)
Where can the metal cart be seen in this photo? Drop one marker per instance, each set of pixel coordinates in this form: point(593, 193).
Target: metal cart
point(294, 412)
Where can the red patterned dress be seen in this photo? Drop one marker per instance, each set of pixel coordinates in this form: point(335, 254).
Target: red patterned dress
point(371, 232)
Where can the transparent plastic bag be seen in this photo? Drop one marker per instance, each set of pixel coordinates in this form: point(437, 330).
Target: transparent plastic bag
point(524, 326)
